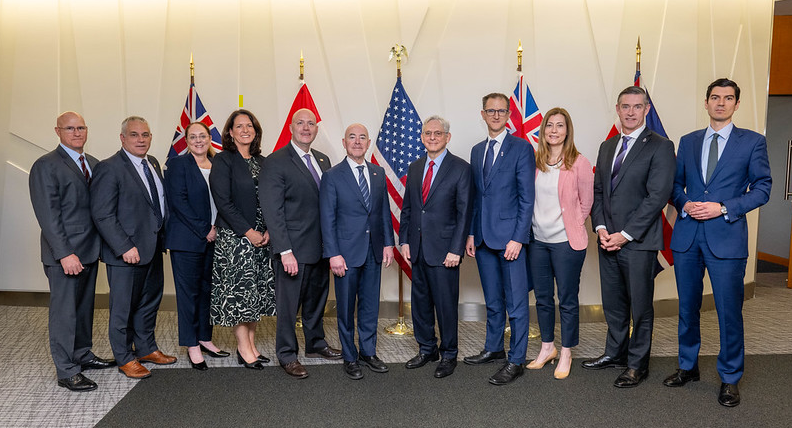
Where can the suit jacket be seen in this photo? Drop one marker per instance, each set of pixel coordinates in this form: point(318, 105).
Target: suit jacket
point(347, 225)
point(440, 225)
point(642, 189)
point(122, 210)
point(289, 200)
point(741, 181)
point(234, 191)
point(503, 205)
point(62, 202)
point(190, 218)
point(576, 195)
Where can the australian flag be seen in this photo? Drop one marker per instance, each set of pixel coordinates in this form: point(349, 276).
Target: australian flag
point(194, 111)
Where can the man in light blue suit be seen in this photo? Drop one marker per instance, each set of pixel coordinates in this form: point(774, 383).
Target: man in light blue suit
point(503, 169)
point(722, 174)
point(357, 233)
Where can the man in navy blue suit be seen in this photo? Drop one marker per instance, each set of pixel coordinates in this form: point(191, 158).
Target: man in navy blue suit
point(722, 174)
point(357, 234)
point(503, 168)
point(434, 220)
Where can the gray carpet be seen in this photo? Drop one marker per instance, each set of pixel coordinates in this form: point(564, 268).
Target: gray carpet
point(232, 397)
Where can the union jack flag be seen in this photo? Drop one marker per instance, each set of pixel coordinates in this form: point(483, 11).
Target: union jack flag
point(524, 116)
point(398, 144)
point(194, 111)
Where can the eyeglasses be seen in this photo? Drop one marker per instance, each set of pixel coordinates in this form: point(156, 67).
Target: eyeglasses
point(437, 134)
point(71, 129)
point(492, 111)
point(200, 137)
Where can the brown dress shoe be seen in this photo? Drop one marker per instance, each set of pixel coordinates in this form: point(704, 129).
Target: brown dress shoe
point(134, 370)
point(295, 369)
point(157, 357)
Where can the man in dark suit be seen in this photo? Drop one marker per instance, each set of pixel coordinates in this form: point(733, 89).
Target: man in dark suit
point(290, 204)
point(503, 176)
point(435, 218)
point(128, 207)
point(722, 174)
point(357, 234)
point(632, 184)
point(59, 191)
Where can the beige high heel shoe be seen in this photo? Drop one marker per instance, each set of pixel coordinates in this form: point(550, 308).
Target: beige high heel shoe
point(562, 372)
point(536, 365)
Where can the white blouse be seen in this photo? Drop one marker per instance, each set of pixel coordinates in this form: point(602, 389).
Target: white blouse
point(205, 172)
point(548, 226)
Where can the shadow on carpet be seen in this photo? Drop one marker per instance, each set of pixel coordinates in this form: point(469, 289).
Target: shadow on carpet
point(237, 397)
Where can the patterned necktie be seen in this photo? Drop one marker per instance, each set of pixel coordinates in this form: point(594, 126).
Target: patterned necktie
point(153, 188)
point(712, 161)
point(311, 169)
point(488, 158)
point(364, 187)
point(427, 182)
point(619, 159)
point(84, 169)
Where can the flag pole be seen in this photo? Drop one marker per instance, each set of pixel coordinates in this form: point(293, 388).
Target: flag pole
point(638, 55)
point(399, 328)
point(192, 70)
point(298, 323)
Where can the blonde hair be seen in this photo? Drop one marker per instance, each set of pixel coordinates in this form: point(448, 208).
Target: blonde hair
point(569, 152)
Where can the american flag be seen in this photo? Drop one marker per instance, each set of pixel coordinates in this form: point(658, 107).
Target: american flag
point(398, 144)
point(194, 111)
point(524, 117)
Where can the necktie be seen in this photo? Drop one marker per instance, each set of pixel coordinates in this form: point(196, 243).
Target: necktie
point(153, 188)
point(427, 183)
point(84, 169)
point(364, 187)
point(712, 161)
point(619, 159)
point(488, 158)
point(311, 169)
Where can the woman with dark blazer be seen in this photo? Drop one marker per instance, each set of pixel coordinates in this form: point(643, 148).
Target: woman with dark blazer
point(242, 277)
point(190, 236)
point(564, 193)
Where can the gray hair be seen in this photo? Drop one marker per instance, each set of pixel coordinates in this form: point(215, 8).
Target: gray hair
point(633, 90)
point(443, 122)
point(131, 119)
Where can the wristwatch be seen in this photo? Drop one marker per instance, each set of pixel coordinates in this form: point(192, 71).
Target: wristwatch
point(724, 211)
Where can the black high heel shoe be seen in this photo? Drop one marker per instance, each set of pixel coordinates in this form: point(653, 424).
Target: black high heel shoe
point(218, 354)
point(256, 365)
point(198, 366)
point(263, 359)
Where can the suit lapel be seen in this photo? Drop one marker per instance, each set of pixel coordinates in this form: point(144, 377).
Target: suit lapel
point(377, 180)
point(352, 182)
point(71, 164)
point(299, 162)
point(732, 144)
point(477, 163)
point(607, 167)
point(697, 148)
point(505, 148)
point(132, 171)
point(324, 163)
point(635, 151)
point(442, 171)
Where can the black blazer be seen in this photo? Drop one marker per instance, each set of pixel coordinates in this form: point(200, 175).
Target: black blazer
point(290, 202)
point(642, 189)
point(122, 210)
point(441, 225)
point(190, 208)
point(234, 192)
point(62, 202)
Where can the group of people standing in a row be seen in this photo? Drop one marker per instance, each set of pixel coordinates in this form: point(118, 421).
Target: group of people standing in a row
point(252, 237)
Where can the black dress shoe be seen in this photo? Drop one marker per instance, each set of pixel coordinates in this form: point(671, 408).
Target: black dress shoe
point(682, 377)
point(255, 365)
point(420, 360)
point(603, 362)
point(327, 353)
point(352, 370)
point(506, 374)
point(445, 368)
point(98, 363)
point(199, 366)
point(374, 363)
point(263, 359)
point(729, 395)
point(80, 383)
point(631, 378)
point(485, 357)
point(218, 354)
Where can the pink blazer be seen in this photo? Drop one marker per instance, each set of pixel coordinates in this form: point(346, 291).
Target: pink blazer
point(576, 195)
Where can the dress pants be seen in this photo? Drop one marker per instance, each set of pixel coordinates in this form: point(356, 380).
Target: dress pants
point(308, 289)
point(557, 264)
point(728, 291)
point(71, 312)
point(627, 282)
point(360, 283)
point(135, 296)
point(192, 278)
point(435, 289)
point(505, 284)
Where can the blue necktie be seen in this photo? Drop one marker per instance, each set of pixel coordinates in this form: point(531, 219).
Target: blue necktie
point(712, 161)
point(619, 159)
point(364, 187)
point(153, 188)
point(311, 169)
point(488, 158)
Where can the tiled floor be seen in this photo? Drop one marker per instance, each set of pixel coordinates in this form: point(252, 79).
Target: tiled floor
point(31, 397)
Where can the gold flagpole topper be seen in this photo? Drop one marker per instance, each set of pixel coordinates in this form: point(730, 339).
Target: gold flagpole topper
point(397, 51)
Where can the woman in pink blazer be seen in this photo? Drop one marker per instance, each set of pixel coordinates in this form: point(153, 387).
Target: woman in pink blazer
point(564, 194)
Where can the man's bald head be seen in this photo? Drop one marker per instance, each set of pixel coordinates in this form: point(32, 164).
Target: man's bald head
point(70, 128)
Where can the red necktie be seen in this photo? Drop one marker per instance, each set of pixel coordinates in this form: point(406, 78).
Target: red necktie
point(427, 183)
point(84, 169)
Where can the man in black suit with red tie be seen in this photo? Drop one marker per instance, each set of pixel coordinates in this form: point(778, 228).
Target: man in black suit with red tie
point(59, 191)
point(434, 224)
